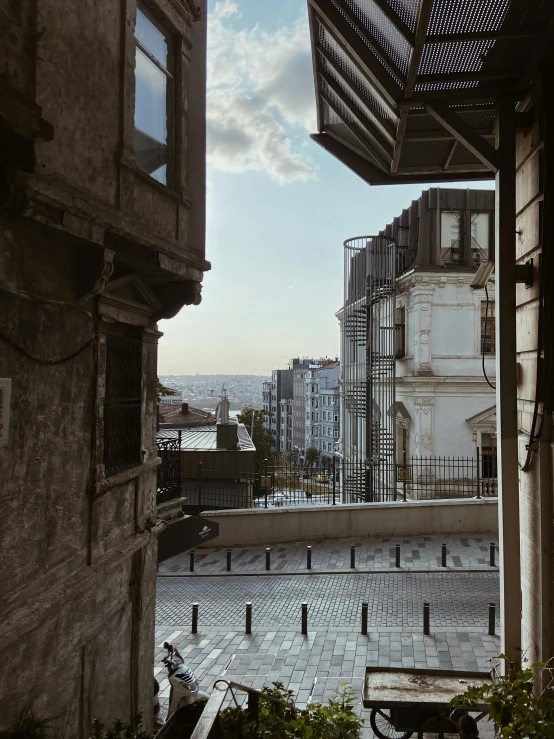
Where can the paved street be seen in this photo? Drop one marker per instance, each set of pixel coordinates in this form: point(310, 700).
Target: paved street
point(371, 554)
point(334, 651)
point(456, 599)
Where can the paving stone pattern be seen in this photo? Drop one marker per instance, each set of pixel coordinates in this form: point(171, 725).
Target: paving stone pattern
point(371, 554)
point(456, 599)
point(334, 651)
point(314, 666)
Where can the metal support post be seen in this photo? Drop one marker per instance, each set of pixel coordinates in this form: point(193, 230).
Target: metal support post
point(352, 557)
point(426, 629)
point(304, 618)
point(506, 384)
point(397, 555)
point(443, 555)
point(248, 628)
point(228, 560)
point(265, 482)
point(268, 558)
point(364, 618)
point(492, 619)
point(478, 475)
point(492, 558)
point(194, 627)
point(253, 706)
point(191, 561)
point(334, 481)
point(199, 485)
point(308, 558)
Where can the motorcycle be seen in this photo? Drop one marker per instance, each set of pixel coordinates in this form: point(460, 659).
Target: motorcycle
point(184, 685)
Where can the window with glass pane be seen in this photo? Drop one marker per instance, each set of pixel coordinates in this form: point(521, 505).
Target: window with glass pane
point(487, 328)
point(152, 97)
point(480, 236)
point(451, 232)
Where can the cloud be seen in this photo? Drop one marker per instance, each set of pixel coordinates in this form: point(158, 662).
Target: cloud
point(260, 93)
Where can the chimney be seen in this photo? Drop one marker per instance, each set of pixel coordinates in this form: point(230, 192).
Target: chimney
point(227, 433)
point(184, 407)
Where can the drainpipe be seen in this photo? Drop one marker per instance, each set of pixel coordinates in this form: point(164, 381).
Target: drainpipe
point(506, 385)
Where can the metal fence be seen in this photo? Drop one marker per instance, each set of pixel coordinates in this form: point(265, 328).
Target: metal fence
point(279, 486)
point(430, 478)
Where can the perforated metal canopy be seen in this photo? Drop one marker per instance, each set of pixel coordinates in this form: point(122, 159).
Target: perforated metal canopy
point(407, 89)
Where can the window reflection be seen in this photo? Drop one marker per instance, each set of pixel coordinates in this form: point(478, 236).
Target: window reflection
point(152, 89)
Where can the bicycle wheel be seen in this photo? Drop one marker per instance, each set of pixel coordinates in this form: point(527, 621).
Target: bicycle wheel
point(439, 727)
point(381, 723)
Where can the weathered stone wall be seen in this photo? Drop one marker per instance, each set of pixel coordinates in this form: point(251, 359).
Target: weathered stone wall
point(89, 246)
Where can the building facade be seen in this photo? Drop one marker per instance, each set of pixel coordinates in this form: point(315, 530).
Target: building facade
point(102, 147)
point(273, 391)
point(418, 344)
point(329, 418)
point(299, 370)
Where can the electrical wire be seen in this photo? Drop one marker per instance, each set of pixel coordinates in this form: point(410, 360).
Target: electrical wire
point(545, 298)
point(38, 360)
point(484, 339)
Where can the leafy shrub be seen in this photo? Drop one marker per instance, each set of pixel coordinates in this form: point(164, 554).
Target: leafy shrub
point(119, 730)
point(280, 718)
point(514, 707)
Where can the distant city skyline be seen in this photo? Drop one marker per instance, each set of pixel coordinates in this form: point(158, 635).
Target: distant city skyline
point(278, 207)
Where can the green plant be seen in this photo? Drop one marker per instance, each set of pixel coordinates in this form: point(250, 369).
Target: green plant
point(312, 455)
point(120, 730)
point(279, 717)
point(28, 726)
point(516, 709)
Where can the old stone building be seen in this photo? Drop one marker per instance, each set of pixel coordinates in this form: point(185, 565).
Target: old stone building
point(102, 190)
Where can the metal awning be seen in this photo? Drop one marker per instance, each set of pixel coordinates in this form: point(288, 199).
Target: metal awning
point(407, 89)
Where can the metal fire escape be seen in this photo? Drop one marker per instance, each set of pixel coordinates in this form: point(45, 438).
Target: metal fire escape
point(368, 359)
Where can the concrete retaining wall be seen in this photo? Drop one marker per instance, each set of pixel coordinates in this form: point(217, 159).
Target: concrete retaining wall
point(258, 527)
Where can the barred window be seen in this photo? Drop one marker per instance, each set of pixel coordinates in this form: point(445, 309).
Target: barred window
point(122, 409)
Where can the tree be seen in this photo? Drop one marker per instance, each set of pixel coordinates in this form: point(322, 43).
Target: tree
point(163, 390)
point(262, 438)
point(312, 455)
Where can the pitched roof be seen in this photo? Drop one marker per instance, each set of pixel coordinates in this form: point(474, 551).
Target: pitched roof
point(174, 416)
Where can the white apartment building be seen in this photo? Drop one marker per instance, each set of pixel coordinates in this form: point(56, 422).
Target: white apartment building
point(418, 342)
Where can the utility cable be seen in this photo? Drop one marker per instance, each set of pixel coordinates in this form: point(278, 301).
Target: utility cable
point(38, 360)
point(484, 339)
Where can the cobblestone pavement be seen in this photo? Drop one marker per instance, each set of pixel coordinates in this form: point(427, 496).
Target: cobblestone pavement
point(334, 651)
point(314, 666)
point(456, 599)
point(371, 554)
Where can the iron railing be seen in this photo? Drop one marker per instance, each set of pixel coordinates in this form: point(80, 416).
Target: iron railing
point(169, 471)
point(368, 365)
point(434, 478)
point(337, 482)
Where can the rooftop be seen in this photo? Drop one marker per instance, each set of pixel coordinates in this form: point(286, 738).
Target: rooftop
point(205, 438)
point(184, 415)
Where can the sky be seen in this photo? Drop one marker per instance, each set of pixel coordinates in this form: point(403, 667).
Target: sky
point(278, 206)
